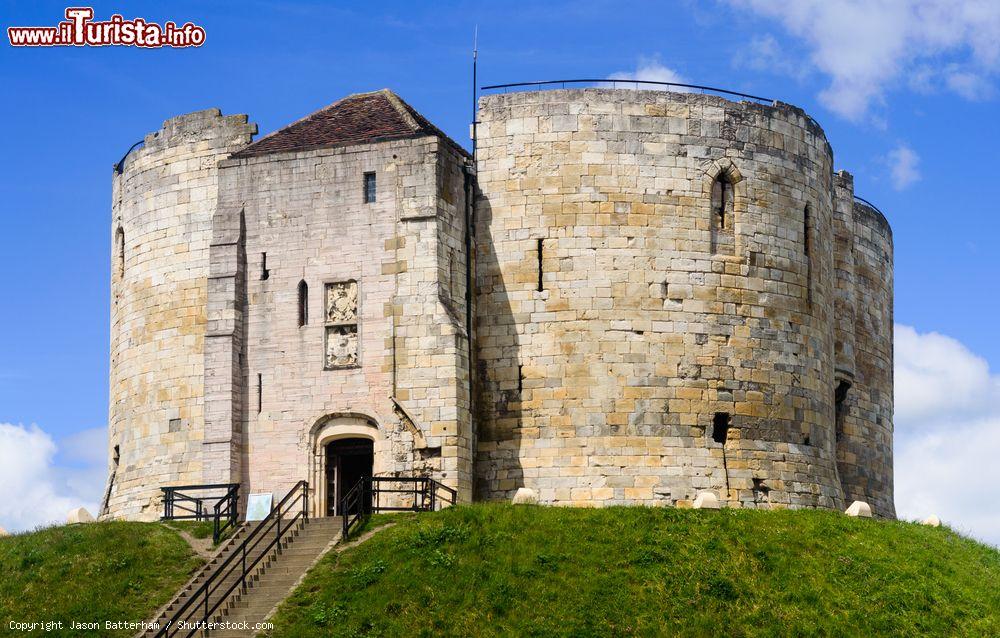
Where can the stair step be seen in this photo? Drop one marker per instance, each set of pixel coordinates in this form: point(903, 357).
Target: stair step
point(268, 582)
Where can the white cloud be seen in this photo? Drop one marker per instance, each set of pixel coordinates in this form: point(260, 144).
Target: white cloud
point(903, 166)
point(33, 489)
point(650, 69)
point(968, 84)
point(947, 432)
point(867, 47)
point(765, 53)
point(88, 447)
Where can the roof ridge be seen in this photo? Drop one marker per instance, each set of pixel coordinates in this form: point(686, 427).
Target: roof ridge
point(358, 118)
point(425, 124)
point(298, 121)
point(400, 106)
point(318, 111)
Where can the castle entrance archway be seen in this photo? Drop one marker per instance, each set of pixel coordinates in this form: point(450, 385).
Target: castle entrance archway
point(347, 462)
point(344, 448)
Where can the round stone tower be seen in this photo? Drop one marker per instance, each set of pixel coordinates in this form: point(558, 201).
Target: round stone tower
point(864, 425)
point(655, 302)
point(163, 199)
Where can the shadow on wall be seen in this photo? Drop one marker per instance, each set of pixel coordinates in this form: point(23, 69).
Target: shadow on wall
point(498, 471)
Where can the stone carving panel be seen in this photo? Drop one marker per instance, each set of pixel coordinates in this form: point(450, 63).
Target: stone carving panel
point(341, 346)
point(342, 302)
point(341, 333)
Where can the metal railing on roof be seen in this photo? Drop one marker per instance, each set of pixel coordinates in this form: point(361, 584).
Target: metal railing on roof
point(121, 162)
point(869, 205)
point(614, 84)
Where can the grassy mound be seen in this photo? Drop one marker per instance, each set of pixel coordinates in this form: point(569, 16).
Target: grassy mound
point(96, 572)
point(497, 570)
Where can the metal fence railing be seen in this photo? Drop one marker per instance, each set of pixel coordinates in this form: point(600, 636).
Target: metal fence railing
point(190, 502)
point(373, 494)
point(232, 572)
point(614, 83)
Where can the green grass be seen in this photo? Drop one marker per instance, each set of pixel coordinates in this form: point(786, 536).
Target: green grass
point(200, 529)
point(376, 521)
point(96, 572)
point(498, 570)
point(197, 529)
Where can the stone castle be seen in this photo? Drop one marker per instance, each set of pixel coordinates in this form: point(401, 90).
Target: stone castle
point(625, 297)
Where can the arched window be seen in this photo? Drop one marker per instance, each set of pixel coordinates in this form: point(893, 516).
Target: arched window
point(723, 216)
point(303, 303)
point(120, 252)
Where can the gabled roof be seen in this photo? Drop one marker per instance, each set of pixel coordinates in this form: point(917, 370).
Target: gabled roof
point(362, 118)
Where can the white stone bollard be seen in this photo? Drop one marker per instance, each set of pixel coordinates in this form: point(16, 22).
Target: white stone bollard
point(932, 521)
point(706, 501)
point(79, 515)
point(525, 496)
point(859, 508)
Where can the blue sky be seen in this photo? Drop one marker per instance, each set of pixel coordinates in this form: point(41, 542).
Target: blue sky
point(905, 90)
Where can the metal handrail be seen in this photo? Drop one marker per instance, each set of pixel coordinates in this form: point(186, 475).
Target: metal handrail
point(356, 500)
point(450, 494)
point(365, 497)
point(121, 163)
point(224, 512)
point(229, 566)
point(869, 204)
point(229, 514)
point(614, 83)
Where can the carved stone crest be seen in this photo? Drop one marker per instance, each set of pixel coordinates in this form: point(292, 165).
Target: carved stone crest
point(341, 346)
point(342, 302)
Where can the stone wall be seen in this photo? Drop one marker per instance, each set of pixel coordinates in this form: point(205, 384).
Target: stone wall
point(384, 341)
point(162, 206)
point(865, 450)
point(613, 382)
point(673, 293)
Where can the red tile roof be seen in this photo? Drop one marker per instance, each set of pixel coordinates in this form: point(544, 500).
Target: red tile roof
point(357, 119)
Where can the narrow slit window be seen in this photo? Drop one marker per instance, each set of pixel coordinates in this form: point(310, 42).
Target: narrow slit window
point(260, 392)
point(720, 427)
point(840, 410)
point(722, 203)
point(805, 230)
point(120, 246)
point(540, 271)
point(303, 303)
point(723, 220)
point(264, 272)
point(806, 223)
point(369, 188)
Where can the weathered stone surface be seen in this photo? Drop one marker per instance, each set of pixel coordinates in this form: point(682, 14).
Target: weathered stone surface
point(932, 521)
point(79, 515)
point(706, 501)
point(525, 496)
point(859, 508)
point(669, 289)
point(161, 223)
point(619, 316)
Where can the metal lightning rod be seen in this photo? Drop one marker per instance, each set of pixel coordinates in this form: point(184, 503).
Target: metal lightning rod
point(475, 106)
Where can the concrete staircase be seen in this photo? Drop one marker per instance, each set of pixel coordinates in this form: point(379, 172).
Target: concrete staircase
point(279, 577)
point(267, 584)
point(182, 596)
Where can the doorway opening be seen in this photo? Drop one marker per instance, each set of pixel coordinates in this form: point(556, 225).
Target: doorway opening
point(347, 462)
